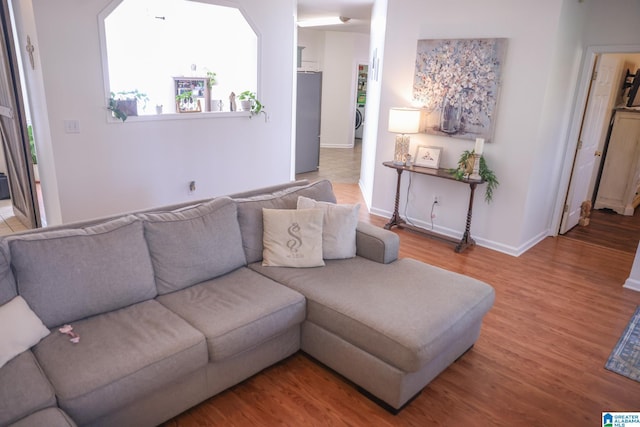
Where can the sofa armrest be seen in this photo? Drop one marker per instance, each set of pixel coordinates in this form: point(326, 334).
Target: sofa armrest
point(376, 244)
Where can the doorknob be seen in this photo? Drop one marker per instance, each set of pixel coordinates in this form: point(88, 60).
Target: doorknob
point(598, 153)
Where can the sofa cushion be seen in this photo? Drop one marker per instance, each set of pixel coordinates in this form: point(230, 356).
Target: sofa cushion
point(67, 275)
point(404, 313)
point(338, 227)
point(250, 212)
point(50, 417)
point(7, 282)
point(23, 388)
point(238, 311)
point(122, 355)
point(193, 245)
point(20, 329)
point(292, 238)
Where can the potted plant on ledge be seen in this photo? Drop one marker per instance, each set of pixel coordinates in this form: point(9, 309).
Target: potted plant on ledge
point(215, 104)
point(125, 103)
point(249, 102)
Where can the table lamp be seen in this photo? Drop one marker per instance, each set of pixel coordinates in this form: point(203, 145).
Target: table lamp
point(403, 121)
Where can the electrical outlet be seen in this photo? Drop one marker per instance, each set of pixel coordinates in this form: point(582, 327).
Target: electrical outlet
point(192, 187)
point(436, 199)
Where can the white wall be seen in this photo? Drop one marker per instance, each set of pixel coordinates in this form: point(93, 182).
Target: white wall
point(372, 107)
point(313, 52)
point(343, 52)
point(523, 126)
point(113, 167)
point(557, 108)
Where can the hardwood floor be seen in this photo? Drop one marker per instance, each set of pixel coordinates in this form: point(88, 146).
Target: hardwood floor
point(560, 308)
point(609, 229)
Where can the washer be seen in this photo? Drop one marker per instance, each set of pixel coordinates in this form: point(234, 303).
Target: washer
point(359, 121)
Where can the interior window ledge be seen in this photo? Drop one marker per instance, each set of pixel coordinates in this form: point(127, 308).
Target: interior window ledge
point(182, 116)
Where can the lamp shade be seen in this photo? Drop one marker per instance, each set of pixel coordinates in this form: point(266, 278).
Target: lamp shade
point(404, 120)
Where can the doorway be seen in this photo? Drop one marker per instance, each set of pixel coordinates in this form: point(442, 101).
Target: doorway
point(341, 164)
point(14, 134)
point(604, 96)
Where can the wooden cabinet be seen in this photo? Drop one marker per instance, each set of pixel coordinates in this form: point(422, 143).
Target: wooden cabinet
point(620, 181)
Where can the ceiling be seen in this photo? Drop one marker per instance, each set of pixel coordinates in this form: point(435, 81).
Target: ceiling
point(358, 10)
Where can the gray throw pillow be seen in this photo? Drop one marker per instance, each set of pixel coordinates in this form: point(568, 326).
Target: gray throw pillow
point(338, 227)
point(70, 274)
point(192, 245)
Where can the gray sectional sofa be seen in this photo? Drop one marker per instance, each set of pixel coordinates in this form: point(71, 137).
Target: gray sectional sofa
point(173, 306)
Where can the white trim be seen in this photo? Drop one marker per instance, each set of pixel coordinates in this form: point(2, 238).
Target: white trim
point(109, 8)
point(455, 234)
point(632, 284)
point(181, 116)
point(336, 146)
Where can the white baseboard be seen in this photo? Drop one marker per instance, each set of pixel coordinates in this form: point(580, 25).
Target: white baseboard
point(336, 146)
point(485, 243)
point(632, 284)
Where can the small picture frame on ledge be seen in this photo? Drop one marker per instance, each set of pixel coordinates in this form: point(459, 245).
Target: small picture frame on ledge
point(427, 157)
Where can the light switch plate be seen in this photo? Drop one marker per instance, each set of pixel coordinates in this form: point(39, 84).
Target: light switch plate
point(72, 126)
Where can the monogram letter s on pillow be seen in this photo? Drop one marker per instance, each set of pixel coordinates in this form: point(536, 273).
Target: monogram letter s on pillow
point(292, 238)
point(295, 243)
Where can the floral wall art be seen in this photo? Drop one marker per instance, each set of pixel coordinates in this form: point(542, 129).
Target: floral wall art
point(457, 83)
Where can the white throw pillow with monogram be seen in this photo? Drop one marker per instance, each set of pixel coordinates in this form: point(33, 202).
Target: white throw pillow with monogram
point(292, 238)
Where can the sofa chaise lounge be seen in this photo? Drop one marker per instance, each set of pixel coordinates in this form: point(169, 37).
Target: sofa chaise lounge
point(174, 305)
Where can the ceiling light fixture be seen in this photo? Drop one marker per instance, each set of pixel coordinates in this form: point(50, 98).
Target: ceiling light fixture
point(318, 22)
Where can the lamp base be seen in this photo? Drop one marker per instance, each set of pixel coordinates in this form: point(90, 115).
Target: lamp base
point(401, 149)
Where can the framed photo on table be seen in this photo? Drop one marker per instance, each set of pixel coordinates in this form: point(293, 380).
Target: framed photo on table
point(428, 157)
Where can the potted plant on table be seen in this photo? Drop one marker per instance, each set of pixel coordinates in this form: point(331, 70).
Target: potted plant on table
point(465, 167)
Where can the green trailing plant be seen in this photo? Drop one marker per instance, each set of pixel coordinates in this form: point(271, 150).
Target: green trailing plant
point(464, 169)
point(115, 99)
point(256, 105)
point(32, 145)
point(114, 107)
point(134, 94)
point(212, 79)
point(184, 96)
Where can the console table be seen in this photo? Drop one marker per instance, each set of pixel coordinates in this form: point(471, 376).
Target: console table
point(397, 221)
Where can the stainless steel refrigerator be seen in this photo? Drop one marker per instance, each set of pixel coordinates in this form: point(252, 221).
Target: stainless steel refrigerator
point(308, 122)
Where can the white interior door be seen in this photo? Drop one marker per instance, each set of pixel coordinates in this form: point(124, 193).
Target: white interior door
point(13, 130)
point(595, 123)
